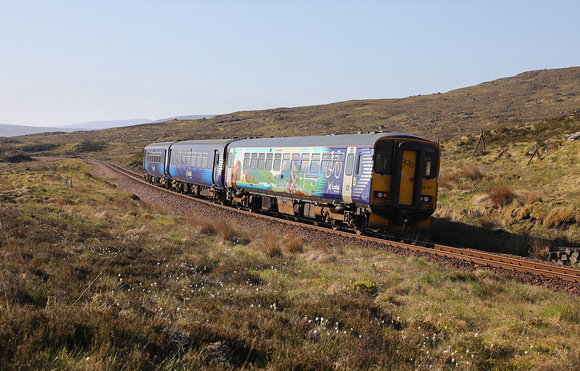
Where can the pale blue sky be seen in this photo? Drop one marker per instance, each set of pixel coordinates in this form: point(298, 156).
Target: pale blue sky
point(64, 62)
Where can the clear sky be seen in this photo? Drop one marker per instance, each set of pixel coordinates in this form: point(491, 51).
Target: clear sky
point(65, 62)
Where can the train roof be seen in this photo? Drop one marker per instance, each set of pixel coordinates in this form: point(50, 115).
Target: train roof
point(206, 143)
point(347, 140)
point(159, 145)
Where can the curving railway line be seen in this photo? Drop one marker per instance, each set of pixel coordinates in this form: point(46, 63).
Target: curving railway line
point(535, 272)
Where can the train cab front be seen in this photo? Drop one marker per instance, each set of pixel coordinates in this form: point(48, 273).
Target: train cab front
point(404, 183)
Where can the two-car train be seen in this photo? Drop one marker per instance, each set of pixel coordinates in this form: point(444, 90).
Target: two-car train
point(357, 181)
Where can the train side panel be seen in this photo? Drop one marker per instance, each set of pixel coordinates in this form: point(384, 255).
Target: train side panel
point(199, 162)
point(192, 165)
point(155, 159)
point(305, 172)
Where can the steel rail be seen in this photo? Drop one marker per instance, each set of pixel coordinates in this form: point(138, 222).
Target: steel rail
point(476, 257)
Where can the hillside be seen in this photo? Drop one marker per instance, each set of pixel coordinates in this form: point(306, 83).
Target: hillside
point(527, 97)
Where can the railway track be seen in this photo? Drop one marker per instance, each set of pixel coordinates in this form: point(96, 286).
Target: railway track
point(509, 263)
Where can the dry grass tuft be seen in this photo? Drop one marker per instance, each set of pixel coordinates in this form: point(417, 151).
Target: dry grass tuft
point(269, 245)
point(223, 229)
point(459, 175)
point(293, 243)
point(562, 217)
point(502, 195)
point(533, 197)
point(540, 249)
point(469, 172)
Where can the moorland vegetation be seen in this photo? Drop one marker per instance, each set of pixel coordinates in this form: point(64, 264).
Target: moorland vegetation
point(92, 277)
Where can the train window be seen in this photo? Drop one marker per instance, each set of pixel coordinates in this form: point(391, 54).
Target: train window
point(246, 161)
point(285, 161)
point(349, 164)
point(269, 158)
point(305, 162)
point(295, 162)
point(430, 164)
point(277, 161)
point(231, 159)
point(325, 167)
point(315, 163)
point(337, 167)
point(359, 164)
point(204, 160)
point(254, 161)
point(384, 157)
point(261, 161)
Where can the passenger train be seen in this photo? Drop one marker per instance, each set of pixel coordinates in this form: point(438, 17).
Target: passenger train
point(355, 181)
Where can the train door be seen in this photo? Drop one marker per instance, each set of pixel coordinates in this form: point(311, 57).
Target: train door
point(167, 164)
point(407, 180)
point(348, 175)
point(229, 181)
point(407, 184)
point(215, 167)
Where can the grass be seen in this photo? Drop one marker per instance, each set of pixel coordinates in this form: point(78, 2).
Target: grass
point(94, 278)
point(498, 198)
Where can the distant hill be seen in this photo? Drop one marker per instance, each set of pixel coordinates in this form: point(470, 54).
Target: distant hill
point(183, 118)
point(528, 97)
point(99, 125)
point(7, 130)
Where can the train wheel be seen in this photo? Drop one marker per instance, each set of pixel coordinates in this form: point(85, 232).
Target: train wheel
point(334, 225)
point(328, 219)
point(360, 224)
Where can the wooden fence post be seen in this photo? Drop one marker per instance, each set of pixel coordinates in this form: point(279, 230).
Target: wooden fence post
point(536, 152)
point(480, 140)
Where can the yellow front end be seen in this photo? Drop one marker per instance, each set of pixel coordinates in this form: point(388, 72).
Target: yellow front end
point(404, 185)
